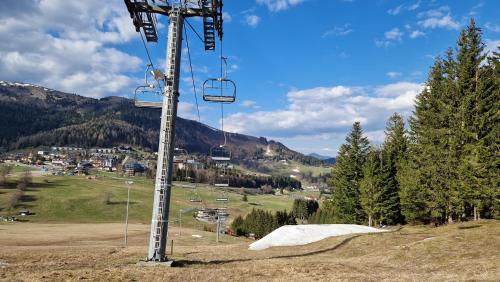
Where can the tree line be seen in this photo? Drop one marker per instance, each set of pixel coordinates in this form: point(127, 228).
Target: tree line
point(445, 166)
point(259, 223)
point(237, 179)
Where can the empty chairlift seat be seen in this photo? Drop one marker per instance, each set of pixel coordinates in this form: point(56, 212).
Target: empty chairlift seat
point(221, 180)
point(220, 153)
point(219, 90)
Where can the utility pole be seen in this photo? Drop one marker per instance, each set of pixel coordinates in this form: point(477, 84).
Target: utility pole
point(142, 12)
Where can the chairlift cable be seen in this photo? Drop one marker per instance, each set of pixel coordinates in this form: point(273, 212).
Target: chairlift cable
point(221, 93)
point(149, 58)
point(194, 30)
point(192, 75)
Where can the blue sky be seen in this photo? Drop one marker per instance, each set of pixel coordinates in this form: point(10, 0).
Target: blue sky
point(305, 69)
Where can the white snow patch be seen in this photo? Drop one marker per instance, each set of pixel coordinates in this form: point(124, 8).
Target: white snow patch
point(295, 235)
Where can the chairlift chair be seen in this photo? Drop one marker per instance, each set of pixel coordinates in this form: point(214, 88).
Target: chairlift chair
point(221, 180)
point(146, 104)
point(220, 154)
point(221, 89)
point(149, 87)
point(195, 198)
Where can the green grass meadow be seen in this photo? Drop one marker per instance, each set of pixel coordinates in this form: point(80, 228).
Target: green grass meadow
point(78, 199)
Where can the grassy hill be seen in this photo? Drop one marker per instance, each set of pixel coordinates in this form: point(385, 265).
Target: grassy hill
point(79, 199)
point(62, 252)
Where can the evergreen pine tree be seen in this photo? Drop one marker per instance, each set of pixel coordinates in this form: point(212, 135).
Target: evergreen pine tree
point(393, 152)
point(347, 175)
point(370, 187)
point(419, 176)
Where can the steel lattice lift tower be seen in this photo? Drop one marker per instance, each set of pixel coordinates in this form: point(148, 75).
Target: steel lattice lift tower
point(143, 14)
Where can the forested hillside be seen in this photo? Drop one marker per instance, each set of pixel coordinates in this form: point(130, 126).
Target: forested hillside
point(445, 168)
point(33, 116)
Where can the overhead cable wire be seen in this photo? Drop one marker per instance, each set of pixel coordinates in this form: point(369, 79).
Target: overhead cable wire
point(221, 90)
point(150, 61)
point(192, 75)
point(194, 30)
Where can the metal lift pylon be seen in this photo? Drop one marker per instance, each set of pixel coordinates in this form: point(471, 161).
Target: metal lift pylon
point(163, 181)
point(141, 11)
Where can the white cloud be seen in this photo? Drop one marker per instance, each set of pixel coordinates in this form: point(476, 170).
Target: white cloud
point(492, 27)
point(66, 45)
point(393, 74)
point(394, 34)
point(227, 17)
point(279, 5)
point(390, 36)
point(328, 111)
point(416, 34)
point(250, 104)
point(187, 111)
point(338, 31)
point(395, 11)
point(252, 20)
point(438, 18)
point(490, 46)
point(414, 6)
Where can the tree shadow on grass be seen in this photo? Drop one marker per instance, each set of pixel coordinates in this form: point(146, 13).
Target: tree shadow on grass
point(9, 185)
point(469, 227)
point(186, 263)
point(121, 203)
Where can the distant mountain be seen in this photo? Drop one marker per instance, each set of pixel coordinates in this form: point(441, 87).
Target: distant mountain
point(330, 161)
point(34, 116)
point(319, 157)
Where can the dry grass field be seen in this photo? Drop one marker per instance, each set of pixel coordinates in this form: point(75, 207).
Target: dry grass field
point(94, 252)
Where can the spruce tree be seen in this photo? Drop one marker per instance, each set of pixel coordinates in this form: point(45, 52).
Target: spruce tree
point(419, 176)
point(478, 87)
point(394, 150)
point(347, 175)
point(370, 187)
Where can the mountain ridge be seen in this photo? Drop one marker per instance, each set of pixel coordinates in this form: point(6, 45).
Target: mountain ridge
point(33, 116)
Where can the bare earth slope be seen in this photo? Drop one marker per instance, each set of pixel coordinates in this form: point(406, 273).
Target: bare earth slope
point(46, 252)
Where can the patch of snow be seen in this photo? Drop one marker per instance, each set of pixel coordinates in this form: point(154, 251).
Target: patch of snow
point(295, 235)
point(293, 176)
point(196, 236)
point(296, 170)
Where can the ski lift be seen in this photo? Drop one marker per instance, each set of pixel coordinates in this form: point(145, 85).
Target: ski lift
point(221, 179)
point(181, 156)
point(221, 89)
point(220, 154)
point(195, 198)
point(146, 104)
point(149, 88)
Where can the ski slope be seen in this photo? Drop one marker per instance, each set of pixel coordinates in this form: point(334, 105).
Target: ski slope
point(295, 235)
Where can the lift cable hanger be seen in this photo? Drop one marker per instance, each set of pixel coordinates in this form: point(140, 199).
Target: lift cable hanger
point(143, 14)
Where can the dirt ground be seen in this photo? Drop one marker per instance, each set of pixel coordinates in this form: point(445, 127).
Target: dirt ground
point(95, 252)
